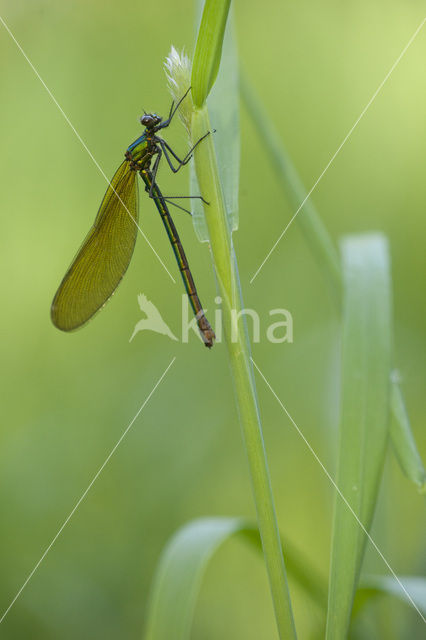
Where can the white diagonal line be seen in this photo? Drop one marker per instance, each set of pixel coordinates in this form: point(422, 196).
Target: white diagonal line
point(84, 494)
point(338, 491)
point(83, 144)
point(345, 139)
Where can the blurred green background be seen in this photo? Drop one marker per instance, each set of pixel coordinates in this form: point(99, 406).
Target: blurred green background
point(66, 399)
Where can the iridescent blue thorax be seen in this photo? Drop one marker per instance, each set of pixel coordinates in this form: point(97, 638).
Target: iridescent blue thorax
point(140, 150)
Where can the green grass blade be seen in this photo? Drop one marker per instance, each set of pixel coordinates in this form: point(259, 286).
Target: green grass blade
point(223, 105)
point(208, 49)
point(238, 349)
point(323, 248)
point(197, 121)
point(403, 441)
point(179, 574)
point(374, 586)
point(184, 561)
point(308, 219)
point(298, 565)
point(364, 421)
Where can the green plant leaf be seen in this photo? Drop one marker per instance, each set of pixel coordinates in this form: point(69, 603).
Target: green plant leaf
point(403, 442)
point(238, 349)
point(179, 574)
point(364, 423)
point(223, 105)
point(218, 226)
point(374, 586)
point(184, 561)
point(208, 49)
point(307, 218)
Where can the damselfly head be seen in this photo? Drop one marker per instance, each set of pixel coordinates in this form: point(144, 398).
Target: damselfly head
point(150, 120)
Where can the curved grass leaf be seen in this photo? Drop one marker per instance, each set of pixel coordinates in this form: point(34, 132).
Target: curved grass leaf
point(403, 440)
point(208, 49)
point(179, 574)
point(184, 561)
point(364, 420)
point(374, 586)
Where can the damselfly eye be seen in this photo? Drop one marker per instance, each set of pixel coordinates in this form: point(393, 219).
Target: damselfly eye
point(147, 120)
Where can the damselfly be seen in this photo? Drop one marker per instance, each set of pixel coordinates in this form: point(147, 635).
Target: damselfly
point(105, 254)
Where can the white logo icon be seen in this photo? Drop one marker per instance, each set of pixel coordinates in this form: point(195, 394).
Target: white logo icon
point(153, 320)
point(278, 332)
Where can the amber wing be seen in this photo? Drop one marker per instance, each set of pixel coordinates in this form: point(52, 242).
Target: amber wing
point(104, 256)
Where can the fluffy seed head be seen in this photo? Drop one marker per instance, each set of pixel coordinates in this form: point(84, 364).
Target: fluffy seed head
point(178, 73)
